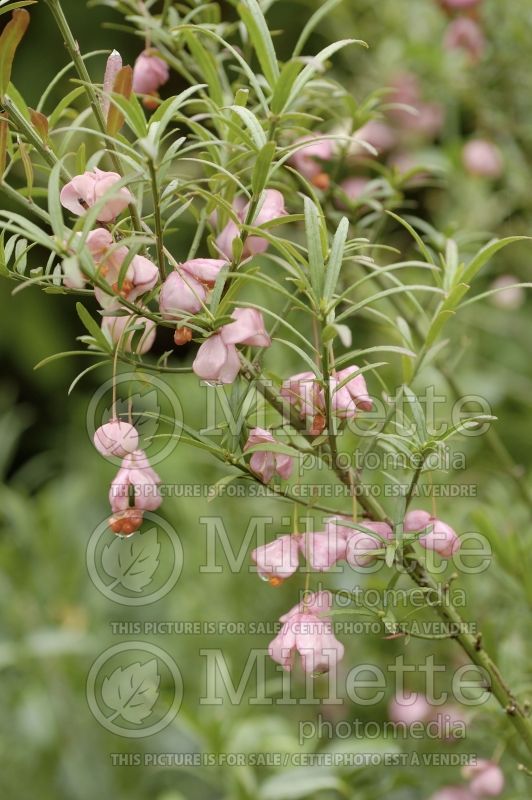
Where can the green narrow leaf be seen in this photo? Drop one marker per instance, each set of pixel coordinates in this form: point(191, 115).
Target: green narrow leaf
point(252, 124)
point(251, 15)
point(485, 254)
point(9, 41)
point(336, 258)
point(208, 67)
point(315, 252)
point(315, 64)
point(40, 123)
point(4, 137)
point(316, 18)
point(92, 327)
point(54, 204)
point(284, 85)
point(261, 170)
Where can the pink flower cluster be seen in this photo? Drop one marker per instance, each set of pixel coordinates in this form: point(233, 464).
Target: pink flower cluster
point(349, 394)
point(135, 488)
point(141, 275)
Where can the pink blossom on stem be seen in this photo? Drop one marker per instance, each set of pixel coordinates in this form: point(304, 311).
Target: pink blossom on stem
point(217, 359)
point(84, 191)
point(116, 438)
point(486, 778)
point(465, 34)
point(441, 537)
point(272, 207)
point(322, 550)
point(149, 73)
point(181, 294)
point(135, 489)
point(277, 560)
point(140, 334)
point(483, 158)
point(360, 544)
point(140, 276)
point(308, 631)
point(265, 464)
point(356, 386)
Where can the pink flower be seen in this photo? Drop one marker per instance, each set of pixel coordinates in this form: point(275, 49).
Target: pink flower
point(204, 270)
point(308, 631)
point(441, 537)
point(486, 778)
point(217, 359)
point(84, 191)
point(313, 152)
point(355, 386)
point(409, 709)
point(140, 276)
point(272, 208)
point(464, 33)
point(353, 188)
point(135, 489)
point(421, 117)
point(510, 296)
point(149, 73)
point(360, 544)
point(140, 336)
point(303, 390)
point(378, 134)
point(322, 550)
point(265, 464)
point(116, 438)
point(181, 294)
point(277, 560)
point(482, 158)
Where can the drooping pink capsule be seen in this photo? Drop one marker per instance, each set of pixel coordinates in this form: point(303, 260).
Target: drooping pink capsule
point(116, 438)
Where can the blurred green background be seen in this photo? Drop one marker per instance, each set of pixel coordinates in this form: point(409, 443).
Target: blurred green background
point(55, 622)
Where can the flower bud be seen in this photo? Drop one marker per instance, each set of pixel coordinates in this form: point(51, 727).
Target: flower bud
point(116, 438)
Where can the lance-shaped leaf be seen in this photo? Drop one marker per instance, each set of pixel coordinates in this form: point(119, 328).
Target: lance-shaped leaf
point(251, 15)
point(9, 41)
point(4, 136)
point(123, 86)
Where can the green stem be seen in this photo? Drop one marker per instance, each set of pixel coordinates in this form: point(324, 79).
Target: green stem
point(157, 217)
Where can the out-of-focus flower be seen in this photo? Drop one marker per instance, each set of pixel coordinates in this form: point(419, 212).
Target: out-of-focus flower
point(378, 134)
point(116, 438)
point(217, 359)
point(441, 537)
point(272, 208)
point(419, 116)
point(458, 5)
point(313, 152)
point(135, 489)
point(353, 188)
point(308, 630)
point(149, 74)
point(464, 33)
point(483, 158)
point(413, 708)
point(277, 560)
point(265, 464)
point(112, 68)
point(84, 191)
point(140, 334)
point(486, 778)
point(508, 296)
point(452, 793)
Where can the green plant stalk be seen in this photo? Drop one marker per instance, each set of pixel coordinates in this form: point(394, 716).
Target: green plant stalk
point(28, 205)
point(74, 52)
